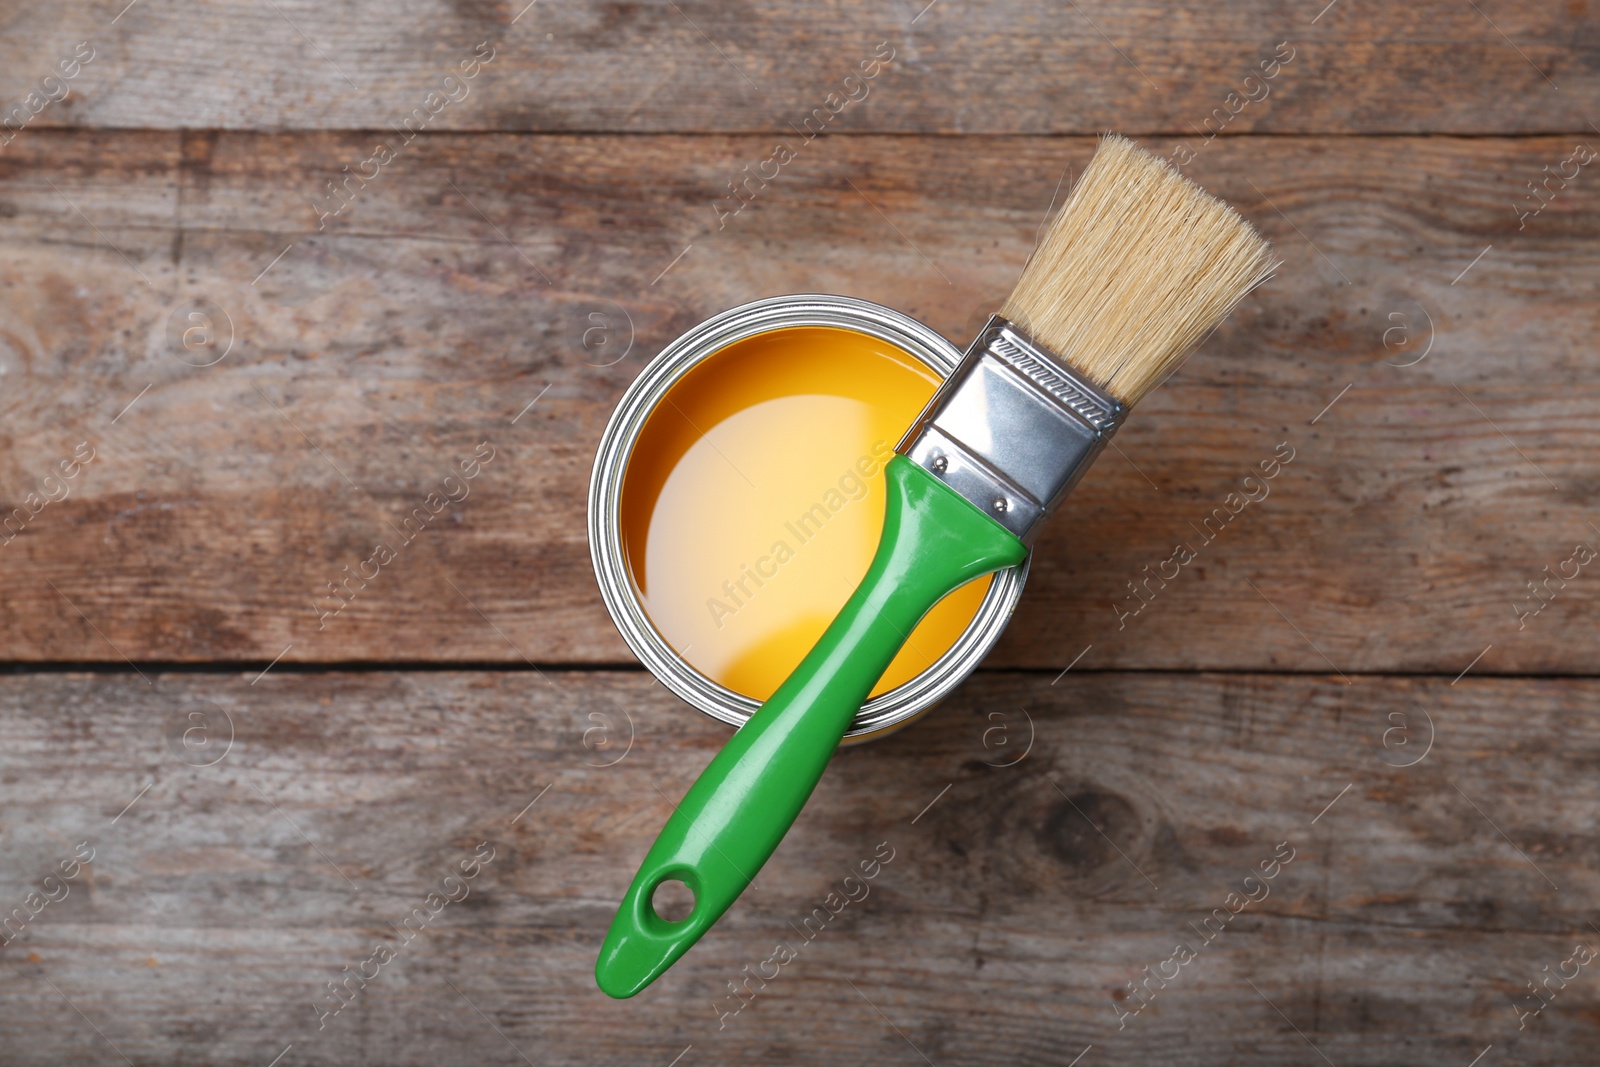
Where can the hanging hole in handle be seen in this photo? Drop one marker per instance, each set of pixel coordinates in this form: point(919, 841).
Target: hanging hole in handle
point(672, 901)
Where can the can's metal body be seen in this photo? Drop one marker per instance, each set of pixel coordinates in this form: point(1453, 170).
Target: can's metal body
point(881, 714)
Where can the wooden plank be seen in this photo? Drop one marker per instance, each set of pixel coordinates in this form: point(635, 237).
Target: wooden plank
point(369, 358)
point(983, 68)
point(222, 898)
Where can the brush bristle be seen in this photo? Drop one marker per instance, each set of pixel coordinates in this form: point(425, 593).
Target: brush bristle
point(1137, 268)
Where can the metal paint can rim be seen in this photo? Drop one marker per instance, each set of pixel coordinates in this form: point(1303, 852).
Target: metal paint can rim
point(883, 713)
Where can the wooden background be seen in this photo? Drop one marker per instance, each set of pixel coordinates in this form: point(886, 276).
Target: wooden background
point(1342, 671)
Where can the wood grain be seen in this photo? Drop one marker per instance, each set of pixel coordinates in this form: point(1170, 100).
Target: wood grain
point(219, 904)
point(975, 68)
point(369, 358)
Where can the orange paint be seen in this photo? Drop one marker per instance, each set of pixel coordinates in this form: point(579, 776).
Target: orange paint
point(753, 501)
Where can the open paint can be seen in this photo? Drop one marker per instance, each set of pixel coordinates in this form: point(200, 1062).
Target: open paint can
point(738, 495)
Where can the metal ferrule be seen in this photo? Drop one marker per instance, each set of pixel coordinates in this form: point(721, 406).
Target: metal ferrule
point(1013, 429)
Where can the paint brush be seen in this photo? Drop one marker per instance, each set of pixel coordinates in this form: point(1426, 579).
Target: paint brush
point(1136, 269)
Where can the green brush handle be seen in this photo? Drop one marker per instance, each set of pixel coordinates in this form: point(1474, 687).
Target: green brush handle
point(744, 802)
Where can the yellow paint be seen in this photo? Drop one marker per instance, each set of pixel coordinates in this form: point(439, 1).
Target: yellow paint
point(754, 499)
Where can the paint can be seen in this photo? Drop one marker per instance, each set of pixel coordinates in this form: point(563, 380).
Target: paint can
point(696, 353)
